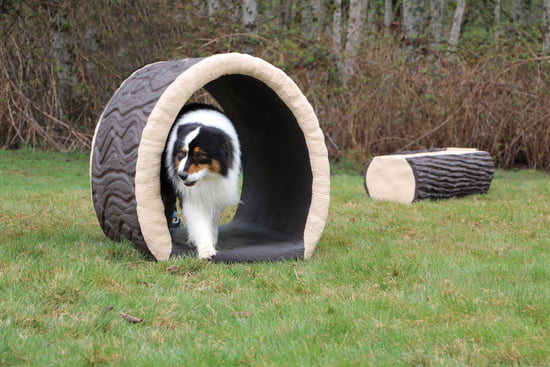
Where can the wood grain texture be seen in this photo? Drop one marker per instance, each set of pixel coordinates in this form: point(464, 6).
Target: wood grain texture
point(114, 154)
point(452, 175)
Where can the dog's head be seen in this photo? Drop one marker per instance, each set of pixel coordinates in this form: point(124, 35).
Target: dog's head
point(200, 151)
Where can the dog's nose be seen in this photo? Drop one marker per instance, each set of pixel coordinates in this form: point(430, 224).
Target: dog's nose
point(183, 175)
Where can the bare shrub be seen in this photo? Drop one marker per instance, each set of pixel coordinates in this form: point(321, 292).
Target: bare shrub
point(61, 63)
point(494, 102)
point(499, 104)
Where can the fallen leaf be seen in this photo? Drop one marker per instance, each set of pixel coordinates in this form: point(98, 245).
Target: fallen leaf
point(241, 313)
point(106, 310)
point(173, 269)
point(130, 318)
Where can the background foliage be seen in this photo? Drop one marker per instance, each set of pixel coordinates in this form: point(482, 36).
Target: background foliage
point(62, 60)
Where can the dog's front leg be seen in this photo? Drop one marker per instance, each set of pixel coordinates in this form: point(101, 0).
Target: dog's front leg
point(216, 217)
point(201, 230)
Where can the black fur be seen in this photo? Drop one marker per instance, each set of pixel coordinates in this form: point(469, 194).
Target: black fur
point(211, 140)
point(193, 107)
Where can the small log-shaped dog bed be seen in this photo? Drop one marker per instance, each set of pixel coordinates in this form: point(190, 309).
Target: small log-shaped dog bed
point(285, 190)
point(433, 174)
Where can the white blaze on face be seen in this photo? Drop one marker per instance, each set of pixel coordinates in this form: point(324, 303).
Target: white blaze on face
point(188, 139)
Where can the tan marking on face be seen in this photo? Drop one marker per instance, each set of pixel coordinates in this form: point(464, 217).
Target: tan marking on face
point(194, 168)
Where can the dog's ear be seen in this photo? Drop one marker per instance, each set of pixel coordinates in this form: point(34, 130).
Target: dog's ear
point(226, 149)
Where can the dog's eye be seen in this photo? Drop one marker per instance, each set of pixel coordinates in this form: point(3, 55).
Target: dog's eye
point(181, 155)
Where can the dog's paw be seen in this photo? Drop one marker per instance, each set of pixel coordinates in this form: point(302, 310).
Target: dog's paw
point(207, 254)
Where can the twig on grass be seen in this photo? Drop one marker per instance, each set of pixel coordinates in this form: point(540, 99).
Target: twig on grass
point(130, 318)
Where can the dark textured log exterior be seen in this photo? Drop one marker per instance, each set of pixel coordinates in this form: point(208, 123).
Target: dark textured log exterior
point(451, 175)
point(116, 146)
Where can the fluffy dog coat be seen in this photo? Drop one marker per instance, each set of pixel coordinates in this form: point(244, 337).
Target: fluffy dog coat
point(202, 163)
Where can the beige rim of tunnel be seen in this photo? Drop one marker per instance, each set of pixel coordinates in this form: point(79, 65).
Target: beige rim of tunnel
point(150, 210)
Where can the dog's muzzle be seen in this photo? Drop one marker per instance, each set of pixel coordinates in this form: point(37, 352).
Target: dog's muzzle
point(184, 176)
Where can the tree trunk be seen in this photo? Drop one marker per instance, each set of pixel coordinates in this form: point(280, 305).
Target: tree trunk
point(311, 16)
point(371, 19)
point(213, 7)
point(354, 36)
point(388, 15)
point(437, 8)
point(66, 77)
point(307, 20)
point(414, 14)
point(91, 45)
point(337, 28)
point(457, 22)
point(250, 16)
point(497, 21)
point(413, 18)
point(546, 22)
point(285, 15)
point(518, 12)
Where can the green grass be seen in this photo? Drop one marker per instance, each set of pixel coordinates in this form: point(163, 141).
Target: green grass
point(461, 282)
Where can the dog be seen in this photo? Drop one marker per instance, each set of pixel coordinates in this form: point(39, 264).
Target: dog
point(201, 166)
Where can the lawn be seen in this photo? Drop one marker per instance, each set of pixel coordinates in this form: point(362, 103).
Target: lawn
point(460, 282)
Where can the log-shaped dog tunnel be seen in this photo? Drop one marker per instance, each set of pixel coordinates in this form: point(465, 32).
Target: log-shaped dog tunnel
point(432, 174)
point(285, 184)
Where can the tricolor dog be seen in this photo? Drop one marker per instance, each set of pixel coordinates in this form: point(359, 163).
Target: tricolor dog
point(201, 165)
